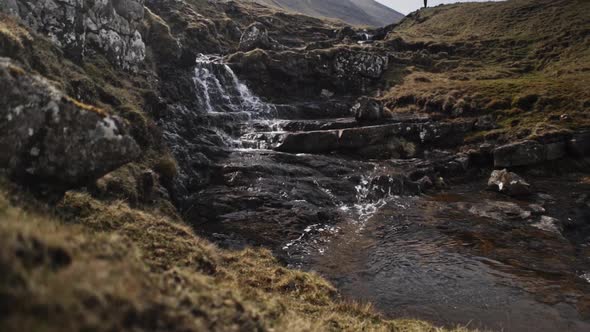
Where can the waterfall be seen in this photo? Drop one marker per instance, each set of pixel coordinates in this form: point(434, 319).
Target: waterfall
point(218, 90)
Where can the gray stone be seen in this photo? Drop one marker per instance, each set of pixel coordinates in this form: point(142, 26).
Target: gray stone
point(83, 27)
point(368, 109)
point(536, 208)
point(368, 65)
point(519, 154)
point(48, 136)
point(549, 224)
point(497, 210)
point(255, 36)
point(508, 183)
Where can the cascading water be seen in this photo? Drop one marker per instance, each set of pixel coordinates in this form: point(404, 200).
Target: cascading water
point(222, 95)
point(316, 237)
point(219, 90)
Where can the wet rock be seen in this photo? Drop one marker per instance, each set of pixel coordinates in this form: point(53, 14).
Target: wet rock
point(48, 136)
point(519, 154)
point(508, 183)
point(579, 144)
point(369, 109)
point(310, 142)
point(549, 224)
point(256, 36)
point(326, 94)
point(543, 198)
point(536, 208)
point(497, 210)
point(301, 73)
point(440, 183)
point(425, 183)
point(404, 139)
point(555, 150)
point(82, 27)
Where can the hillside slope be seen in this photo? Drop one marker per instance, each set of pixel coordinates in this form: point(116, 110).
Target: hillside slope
point(524, 63)
point(355, 12)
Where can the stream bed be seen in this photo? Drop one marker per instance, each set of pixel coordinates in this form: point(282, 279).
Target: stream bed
point(430, 258)
point(457, 256)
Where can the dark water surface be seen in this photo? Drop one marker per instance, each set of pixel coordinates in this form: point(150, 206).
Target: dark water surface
point(432, 258)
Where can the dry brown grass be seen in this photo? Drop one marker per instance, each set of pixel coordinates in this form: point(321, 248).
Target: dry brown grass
point(524, 62)
point(111, 267)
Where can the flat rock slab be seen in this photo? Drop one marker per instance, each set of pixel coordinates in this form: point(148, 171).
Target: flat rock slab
point(437, 134)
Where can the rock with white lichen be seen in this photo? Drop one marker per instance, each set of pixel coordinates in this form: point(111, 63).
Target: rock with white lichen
point(255, 36)
point(83, 27)
point(508, 183)
point(48, 136)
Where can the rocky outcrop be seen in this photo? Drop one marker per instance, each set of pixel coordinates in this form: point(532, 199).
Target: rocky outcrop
point(508, 183)
point(409, 135)
point(256, 36)
point(529, 152)
point(519, 154)
point(82, 27)
point(48, 136)
point(307, 73)
point(364, 64)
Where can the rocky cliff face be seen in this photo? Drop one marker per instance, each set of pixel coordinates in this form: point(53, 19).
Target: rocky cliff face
point(83, 27)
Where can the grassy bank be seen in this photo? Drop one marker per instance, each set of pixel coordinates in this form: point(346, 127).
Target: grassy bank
point(100, 266)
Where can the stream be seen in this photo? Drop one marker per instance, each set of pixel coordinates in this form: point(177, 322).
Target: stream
point(458, 256)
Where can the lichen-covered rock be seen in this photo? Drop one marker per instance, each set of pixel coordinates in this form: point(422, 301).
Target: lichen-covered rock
point(82, 27)
point(48, 136)
point(508, 183)
point(363, 64)
point(255, 36)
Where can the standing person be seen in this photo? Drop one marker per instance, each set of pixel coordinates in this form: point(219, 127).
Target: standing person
point(425, 3)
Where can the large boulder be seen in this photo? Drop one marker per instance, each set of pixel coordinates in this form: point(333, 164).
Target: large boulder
point(255, 36)
point(519, 154)
point(50, 137)
point(83, 27)
point(508, 183)
point(303, 73)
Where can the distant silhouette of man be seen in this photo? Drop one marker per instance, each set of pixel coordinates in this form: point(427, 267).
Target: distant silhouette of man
point(425, 3)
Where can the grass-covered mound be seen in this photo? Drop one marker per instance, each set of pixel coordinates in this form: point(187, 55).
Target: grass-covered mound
point(525, 62)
